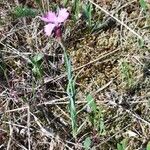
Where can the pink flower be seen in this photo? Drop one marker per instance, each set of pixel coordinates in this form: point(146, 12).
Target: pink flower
point(54, 21)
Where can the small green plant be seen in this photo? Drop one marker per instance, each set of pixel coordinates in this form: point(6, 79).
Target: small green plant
point(148, 146)
point(36, 65)
point(87, 13)
point(141, 43)
point(96, 116)
point(76, 9)
point(65, 2)
point(91, 103)
point(122, 145)
point(85, 9)
point(38, 2)
point(23, 11)
point(143, 5)
point(126, 72)
point(87, 143)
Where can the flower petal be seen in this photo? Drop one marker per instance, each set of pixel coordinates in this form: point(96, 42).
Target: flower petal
point(44, 19)
point(49, 28)
point(62, 15)
point(49, 17)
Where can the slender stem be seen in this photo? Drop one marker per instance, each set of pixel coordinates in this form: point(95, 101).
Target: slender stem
point(71, 92)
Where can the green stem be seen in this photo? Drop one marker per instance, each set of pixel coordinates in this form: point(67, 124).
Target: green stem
point(71, 92)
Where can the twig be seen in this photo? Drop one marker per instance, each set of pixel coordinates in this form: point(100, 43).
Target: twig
point(13, 124)
point(103, 87)
point(138, 117)
point(130, 112)
point(17, 109)
point(121, 22)
point(28, 125)
point(10, 136)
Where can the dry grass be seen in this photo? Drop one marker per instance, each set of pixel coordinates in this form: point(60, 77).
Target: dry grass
point(34, 112)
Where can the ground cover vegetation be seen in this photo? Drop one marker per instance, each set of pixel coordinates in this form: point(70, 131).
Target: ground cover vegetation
point(75, 74)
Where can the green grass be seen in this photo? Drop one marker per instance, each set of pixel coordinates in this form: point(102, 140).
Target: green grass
point(20, 12)
point(127, 73)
